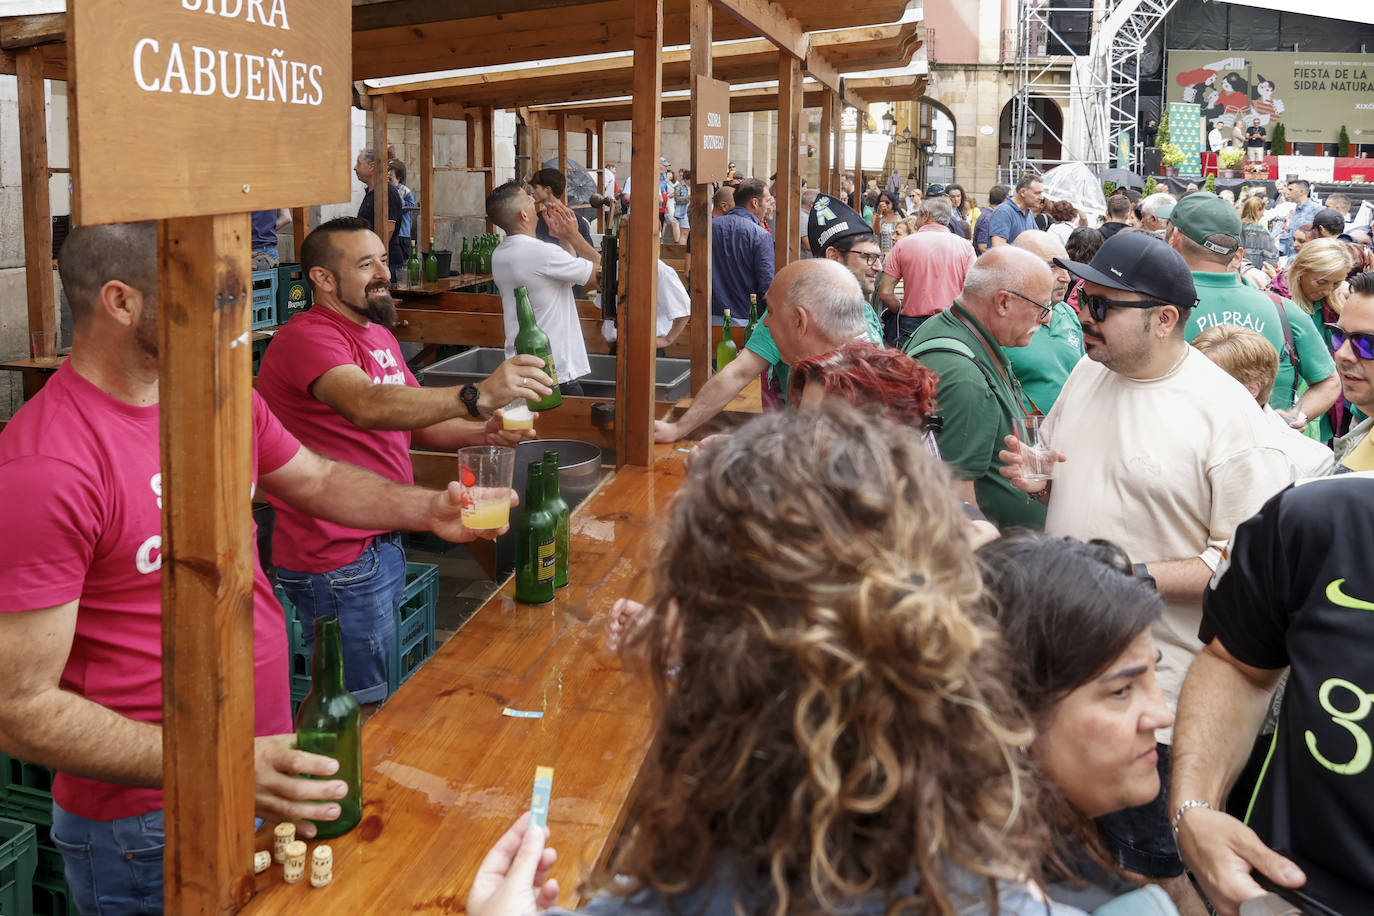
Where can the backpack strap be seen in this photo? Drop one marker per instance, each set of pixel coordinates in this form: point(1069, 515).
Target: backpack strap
point(1288, 347)
point(949, 345)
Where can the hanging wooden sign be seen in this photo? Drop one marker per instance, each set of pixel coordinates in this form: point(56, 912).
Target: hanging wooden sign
point(197, 107)
point(711, 129)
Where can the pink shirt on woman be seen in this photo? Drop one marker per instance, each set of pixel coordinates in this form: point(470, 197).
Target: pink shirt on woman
point(81, 493)
point(931, 263)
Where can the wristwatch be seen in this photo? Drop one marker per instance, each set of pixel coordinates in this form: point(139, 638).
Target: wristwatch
point(469, 394)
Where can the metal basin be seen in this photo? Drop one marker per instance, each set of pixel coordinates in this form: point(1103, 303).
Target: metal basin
point(579, 471)
point(672, 377)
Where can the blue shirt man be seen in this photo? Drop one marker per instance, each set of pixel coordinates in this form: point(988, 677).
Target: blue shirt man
point(1016, 214)
point(1305, 210)
point(741, 254)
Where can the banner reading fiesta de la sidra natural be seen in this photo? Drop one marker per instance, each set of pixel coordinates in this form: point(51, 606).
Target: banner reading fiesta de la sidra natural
point(1312, 94)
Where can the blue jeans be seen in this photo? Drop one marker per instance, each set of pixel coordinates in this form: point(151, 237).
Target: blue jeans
point(113, 867)
point(897, 328)
point(365, 596)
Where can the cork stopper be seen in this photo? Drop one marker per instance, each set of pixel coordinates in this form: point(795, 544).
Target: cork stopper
point(294, 866)
point(321, 866)
point(283, 835)
point(262, 859)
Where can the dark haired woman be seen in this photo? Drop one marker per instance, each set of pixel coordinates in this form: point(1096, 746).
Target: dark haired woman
point(836, 735)
point(960, 222)
point(1082, 245)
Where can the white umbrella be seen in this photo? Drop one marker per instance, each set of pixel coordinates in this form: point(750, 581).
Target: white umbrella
point(1076, 183)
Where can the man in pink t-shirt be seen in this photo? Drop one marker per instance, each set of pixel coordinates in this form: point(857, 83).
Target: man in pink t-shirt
point(80, 590)
point(336, 378)
point(931, 263)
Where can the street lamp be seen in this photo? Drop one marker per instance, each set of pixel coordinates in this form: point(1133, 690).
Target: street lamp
point(889, 123)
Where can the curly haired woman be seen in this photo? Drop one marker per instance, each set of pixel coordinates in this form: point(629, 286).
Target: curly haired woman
point(835, 734)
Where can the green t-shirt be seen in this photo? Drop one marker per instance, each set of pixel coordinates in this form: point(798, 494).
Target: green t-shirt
point(1224, 299)
point(1043, 365)
point(977, 407)
point(761, 342)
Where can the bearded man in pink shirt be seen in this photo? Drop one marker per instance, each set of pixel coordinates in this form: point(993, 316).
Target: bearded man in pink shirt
point(81, 595)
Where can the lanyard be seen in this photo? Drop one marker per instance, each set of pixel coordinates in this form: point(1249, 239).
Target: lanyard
point(1012, 381)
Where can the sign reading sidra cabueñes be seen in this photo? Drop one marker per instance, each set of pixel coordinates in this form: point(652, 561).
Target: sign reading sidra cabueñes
point(195, 107)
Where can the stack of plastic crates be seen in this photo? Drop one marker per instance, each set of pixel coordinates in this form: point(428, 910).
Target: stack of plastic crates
point(26, 797)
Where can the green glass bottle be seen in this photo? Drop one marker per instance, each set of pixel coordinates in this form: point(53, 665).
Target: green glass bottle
point(529, 339)
point(535, 548)
point(726, 349)
point(562, 516)
point(431, 263)
point(464, 262)
point(413, 266)
point(753, 316)
point(329, 723)
point(484, 262)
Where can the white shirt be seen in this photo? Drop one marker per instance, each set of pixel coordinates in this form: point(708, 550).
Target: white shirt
point(673, 301)
point(1166, 468)
point(1306, 457)
point(548, 273)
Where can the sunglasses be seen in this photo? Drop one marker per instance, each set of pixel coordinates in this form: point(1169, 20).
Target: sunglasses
point(1097, 305)
point(1361, 342)
point(1045, 310)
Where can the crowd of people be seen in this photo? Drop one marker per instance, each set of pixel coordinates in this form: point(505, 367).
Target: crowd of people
point(903, 655)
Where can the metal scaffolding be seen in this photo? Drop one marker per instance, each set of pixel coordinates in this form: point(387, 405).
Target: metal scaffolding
point(1102, 96)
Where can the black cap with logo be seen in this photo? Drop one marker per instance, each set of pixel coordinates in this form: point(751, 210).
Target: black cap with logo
point(1137, 262)
point(830, 221)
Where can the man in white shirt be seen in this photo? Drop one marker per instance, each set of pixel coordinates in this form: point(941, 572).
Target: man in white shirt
point(547, 272)
point(1165, 454)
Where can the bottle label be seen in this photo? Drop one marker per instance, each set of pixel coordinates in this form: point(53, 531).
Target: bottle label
point(548, 367)
point(547, 556)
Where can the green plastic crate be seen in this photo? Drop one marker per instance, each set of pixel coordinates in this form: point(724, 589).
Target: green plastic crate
point(52, 897)
point(18, 859)
point(264, 304)
point(293, 291)
point(25, 791)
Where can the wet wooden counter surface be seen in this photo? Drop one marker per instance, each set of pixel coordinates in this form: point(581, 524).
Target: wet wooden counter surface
point(445, 773)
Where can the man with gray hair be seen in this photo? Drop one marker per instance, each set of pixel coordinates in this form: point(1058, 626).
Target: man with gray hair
point(366, 169)
point(1005, 299)
point(813, 307)
point(1150, 217)
point(1043, 365)
point(932, 263)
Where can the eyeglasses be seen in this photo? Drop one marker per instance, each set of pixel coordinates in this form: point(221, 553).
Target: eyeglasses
point(1097, 305)
point(1045, 310)
point(872, 259)
point(1361, 342)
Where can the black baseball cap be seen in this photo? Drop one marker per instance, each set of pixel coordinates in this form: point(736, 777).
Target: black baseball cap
point(831, 220)
point(1137, 262)
point(936, 190)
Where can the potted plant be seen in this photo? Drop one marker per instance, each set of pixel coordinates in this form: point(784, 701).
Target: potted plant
point(1162, 134)
point(1230, 159)
point(1170, 158)
point(1210, 185)
point(1277, 145)
point(1151, 186)
point(1343, 143)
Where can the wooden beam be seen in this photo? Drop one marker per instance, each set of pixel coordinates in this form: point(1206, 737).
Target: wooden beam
point(635, 398)
point(488, 158)
point(770, 21)
point(699, 216)
point(33, 177)
point(822, 71)
point(427, 170)
point(207, 562)
point(381, 14)
point(380, 216)
point(827, 146)
point(598, 162)
point(562, 165)
point(31, 31)
point(858, 160)
point(798, 132)
point(785, 221)
point(300, 228)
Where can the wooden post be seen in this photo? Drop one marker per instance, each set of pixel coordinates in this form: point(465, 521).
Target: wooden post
point(825, 144)
point(562, 164)
point(595, 158)
point(380, 216)
point(837, 142)
point(785, 222)
point(601, 173)
point(535, 133)
point(300, 228)
point(635, 399)
point(699, 213)
point(426, 170)
point(207, 562)
point(33, 177)
point(859, 186)
point(488, 157)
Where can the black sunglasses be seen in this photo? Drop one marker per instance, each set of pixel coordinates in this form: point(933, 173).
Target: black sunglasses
point(1362, 342)
point(1097, 305)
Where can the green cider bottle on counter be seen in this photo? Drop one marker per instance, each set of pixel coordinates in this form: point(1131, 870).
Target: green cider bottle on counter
point(535, 547)
point(431, 263)
point(562, 517)
point(753, 316)
point(464, 259)
point(329, 723)
point(725, 350)
point(529, 339)
point(413, 265)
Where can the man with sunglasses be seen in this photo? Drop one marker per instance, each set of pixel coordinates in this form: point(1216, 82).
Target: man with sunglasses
point(1352, 337)
point(1206, 231)
point(1005, 300)
point(836, 232)
point(1165, 455)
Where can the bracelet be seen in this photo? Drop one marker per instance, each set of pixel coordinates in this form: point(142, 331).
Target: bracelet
point(1190, 803)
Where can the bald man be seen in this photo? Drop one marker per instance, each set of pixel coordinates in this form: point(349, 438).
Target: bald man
point(814, 307)
point(1043, 365)
point(1006, 298)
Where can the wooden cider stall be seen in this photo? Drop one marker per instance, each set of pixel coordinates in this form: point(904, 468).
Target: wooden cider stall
point(445, 771)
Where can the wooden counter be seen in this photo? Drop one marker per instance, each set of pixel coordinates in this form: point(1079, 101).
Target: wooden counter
point(445, 773)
